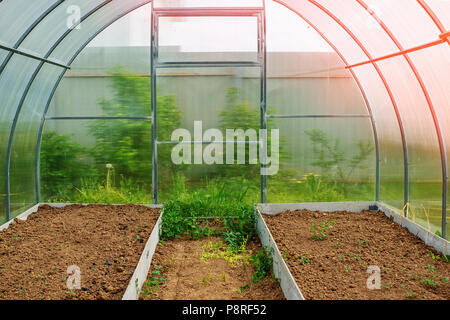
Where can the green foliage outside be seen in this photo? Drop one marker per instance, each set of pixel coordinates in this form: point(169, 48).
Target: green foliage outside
point(62, 165)
point(118, 168)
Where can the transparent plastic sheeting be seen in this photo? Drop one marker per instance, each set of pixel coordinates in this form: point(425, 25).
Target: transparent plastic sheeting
point(408, 94)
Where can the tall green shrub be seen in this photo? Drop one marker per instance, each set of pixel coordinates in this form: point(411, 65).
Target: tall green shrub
point(62, 165)
point(126, 144)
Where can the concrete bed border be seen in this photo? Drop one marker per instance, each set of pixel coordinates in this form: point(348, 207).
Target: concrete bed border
point(143, 266)
point(280, 268)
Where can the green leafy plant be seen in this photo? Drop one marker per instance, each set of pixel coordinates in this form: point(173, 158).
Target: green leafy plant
point(126, 144)
point(151, 287)
point(320, 232)
point(62, 165)
point(305, 259)
point(262, 262)
point(428, 282)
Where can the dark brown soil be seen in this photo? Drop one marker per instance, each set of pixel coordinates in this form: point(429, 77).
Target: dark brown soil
point(198, 270)
point(105, 242)
point(338, 266)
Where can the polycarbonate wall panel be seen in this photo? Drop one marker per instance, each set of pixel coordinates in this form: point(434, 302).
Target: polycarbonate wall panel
point(391, 149)
point(425, 174)
point(436, 78)
point(23, 155)
point(407, 21)
point(81, 173)
point(43, 36)
point(442, 9)
point(212, 98)
point(365, 28)
point(316, 95)
point(207, 3)
point(95, 22)
point(303, 175)
point(202, 94)
point(18, 15)
point(12, 84)
point(223, 35)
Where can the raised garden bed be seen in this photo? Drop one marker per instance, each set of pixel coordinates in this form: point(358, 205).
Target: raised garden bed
point(328, 254)
point(104, 241)
point(206, 269)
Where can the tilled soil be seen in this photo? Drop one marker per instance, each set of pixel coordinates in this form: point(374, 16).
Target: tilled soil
point(191, 273)
point(105, 242)
point(336, 268)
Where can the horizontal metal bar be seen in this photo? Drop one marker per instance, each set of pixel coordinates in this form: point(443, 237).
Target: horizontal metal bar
point(205, 142)
point(208, 64)
point(213, 218)
point(401, 53)
point(98, 118)
point(34, 56)
point(308, 116)
point(208, 12)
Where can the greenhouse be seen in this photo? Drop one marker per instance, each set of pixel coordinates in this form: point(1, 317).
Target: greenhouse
point(288, 135)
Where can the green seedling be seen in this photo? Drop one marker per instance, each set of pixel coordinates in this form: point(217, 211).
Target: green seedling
point(428, 282)
point(431, 268)
point(321, 232)
point(305, 259)
point(434, 256)
point(243, 288)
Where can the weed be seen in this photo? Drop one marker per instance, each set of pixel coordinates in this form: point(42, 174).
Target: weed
point(428, 282)
point(305, 259)
point(431, 268)
point(262, 262)
point(243, 288)
point(321, 232)
point(362, 243)
point(434, 256)
point(151, 287)
point(355, 256)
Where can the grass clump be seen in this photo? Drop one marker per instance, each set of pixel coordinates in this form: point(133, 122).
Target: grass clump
point(262, 262)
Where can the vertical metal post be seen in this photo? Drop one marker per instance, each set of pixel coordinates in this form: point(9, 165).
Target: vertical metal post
point(263, 61)
point(153, 62)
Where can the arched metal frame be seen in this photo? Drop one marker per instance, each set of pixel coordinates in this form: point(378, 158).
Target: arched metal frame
point(444, 37)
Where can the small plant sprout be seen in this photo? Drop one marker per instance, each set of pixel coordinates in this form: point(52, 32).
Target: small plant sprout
point(321, 232)
point(428, 282)
point(151, 286)
point(305, 259)
point(431, 268)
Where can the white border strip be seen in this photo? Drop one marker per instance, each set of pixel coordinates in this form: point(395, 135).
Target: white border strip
point(23, 216)
point(438, 243)
point(275, 208)
point(141, 272)
point(287, 282)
